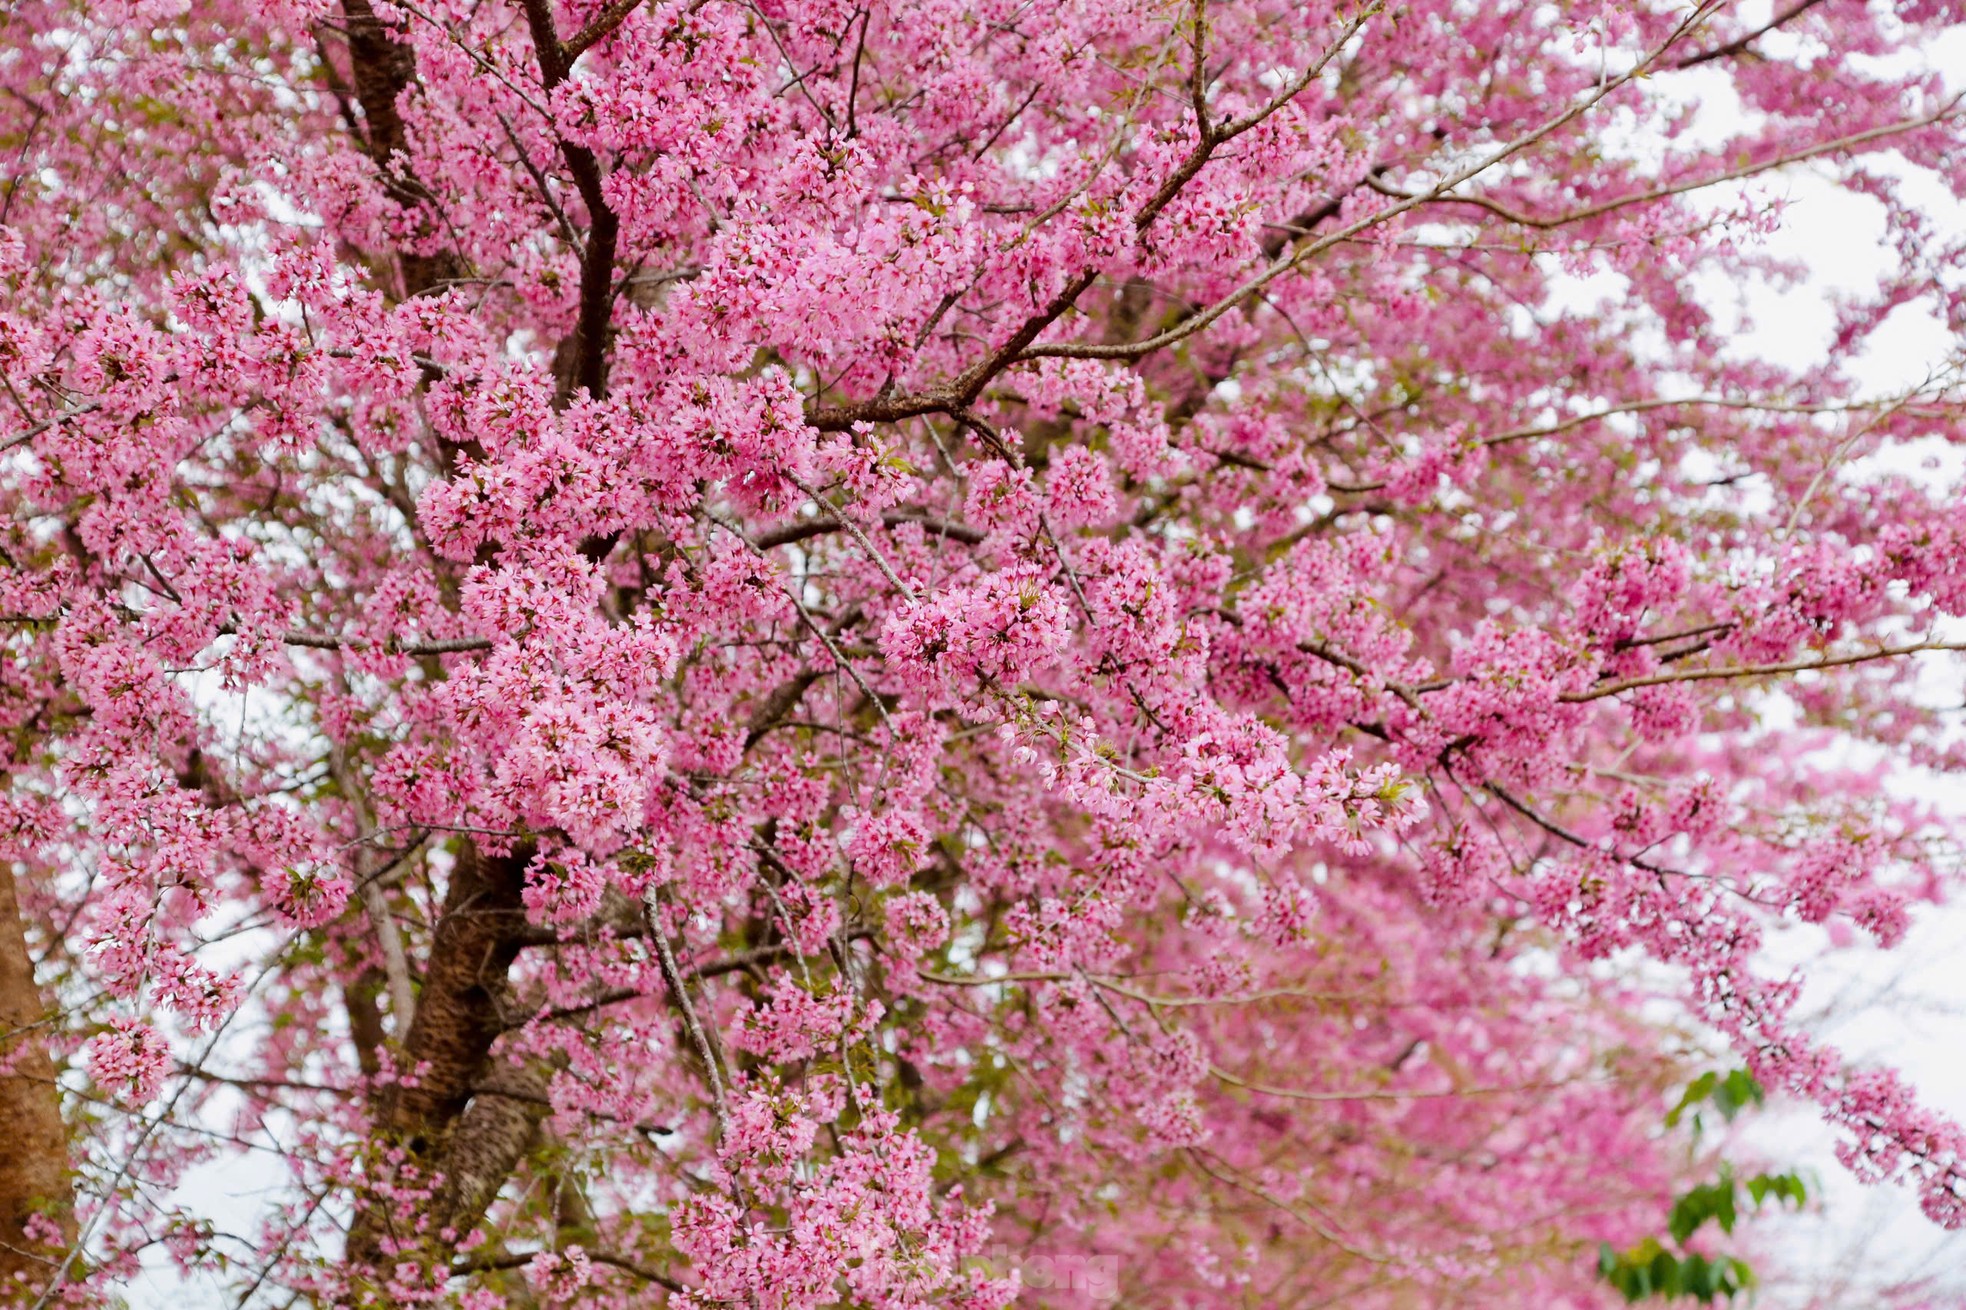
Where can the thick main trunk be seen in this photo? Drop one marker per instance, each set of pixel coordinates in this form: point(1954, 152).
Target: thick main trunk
point(459, 1014)
point(34, 1156)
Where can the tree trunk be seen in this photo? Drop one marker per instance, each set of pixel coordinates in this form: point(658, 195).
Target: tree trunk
point(34, 1156)
point(459, 1014)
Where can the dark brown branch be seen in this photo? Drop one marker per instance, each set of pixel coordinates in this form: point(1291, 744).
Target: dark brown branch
point(589, 351)
point(1304, 223)
point(383, 68)
point(783, 699)
point(882, 409)
point(639, 1270)
point(604, 25)
point(793, 533)
point(736, 963)
point(1740, 44)
point(485, 1264)
point(1623, 685)
point(1337, 659)
point(960, 394)
point(22, 438)
point(448, 646)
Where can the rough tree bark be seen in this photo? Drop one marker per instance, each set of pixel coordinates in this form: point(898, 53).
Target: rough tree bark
point(34, 1156)
point(382, 69)
point(443, 1123)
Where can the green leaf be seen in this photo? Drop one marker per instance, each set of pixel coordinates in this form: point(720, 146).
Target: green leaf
point(1730, 1093)
point(1697, 1277)
point(1697, 1091)
point(1651, 1270)
point(1737, 1092)
point(1787, 1187)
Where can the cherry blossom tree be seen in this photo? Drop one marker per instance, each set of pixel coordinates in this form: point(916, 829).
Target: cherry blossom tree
point(787, 652)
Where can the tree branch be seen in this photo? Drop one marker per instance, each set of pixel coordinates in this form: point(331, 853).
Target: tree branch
point(604, 25)
point(590, 334)
point(1740, 44)
point(1623, 685)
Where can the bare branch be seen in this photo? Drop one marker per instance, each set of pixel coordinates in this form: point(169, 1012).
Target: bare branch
point(1623, 685)
point(1502, 211)
point(1740, 44)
